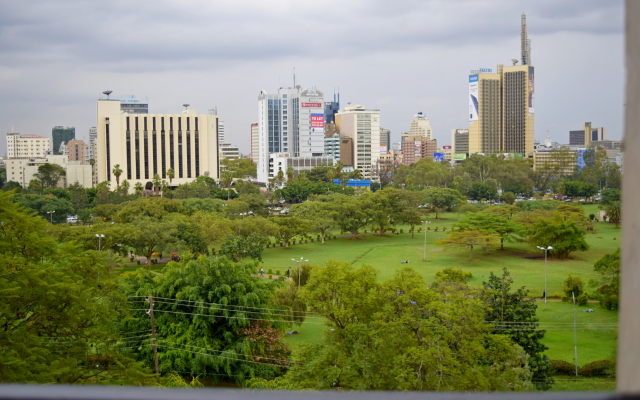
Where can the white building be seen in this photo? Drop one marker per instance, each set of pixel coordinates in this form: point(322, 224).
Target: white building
point(27, 145)
point(23, 170)
point(255, 142)
point(363, 127)
point(282, 162)
point(148, 144)
point(290, 121)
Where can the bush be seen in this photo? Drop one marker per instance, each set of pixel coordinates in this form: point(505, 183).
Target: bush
point(419, 229)
point(428, 228)
point(582, 299)
point(278, 272)
point(270, 271)
point(401, 230)
point(573, 284)
point(605, 368)
point(561, 367)
point(138, 262)
point(131, 259)
point(270, 276)
point(436, 229)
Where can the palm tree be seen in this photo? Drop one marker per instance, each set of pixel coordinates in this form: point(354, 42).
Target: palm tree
point(125, 187)
point(290, 173)
point(357, 174)
point(138, 187)
point(225, 180)
point(156, 183)
point(171, 174)
point(35, 185)
point(164, 187)
point(117, 172)
point(338, 169)
point(331, 173)
point(93, 172)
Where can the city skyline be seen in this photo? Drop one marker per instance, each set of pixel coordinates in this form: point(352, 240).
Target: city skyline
point(57, 63)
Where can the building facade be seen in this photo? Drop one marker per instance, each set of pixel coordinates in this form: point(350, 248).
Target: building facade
point(148, 144)
point(460, 141)
point(130, 104)
point(501, 110)
point(61, 135)
point(282, 162)
point(385, 139)
point(76, 150)
point(362, 126)
point(581, 137)
point(23, 170)
point(289, 121)
point(21, 145)
point(255, 143)
point(420, 126)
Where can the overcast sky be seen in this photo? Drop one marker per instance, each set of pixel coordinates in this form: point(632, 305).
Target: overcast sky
point(400, 56)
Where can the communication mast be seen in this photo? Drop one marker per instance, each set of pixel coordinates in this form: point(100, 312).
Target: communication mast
point(525, 43)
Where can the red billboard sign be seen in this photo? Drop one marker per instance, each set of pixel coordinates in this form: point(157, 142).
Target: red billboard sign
point(317, 120)
point(446, 147)
point(313, 105)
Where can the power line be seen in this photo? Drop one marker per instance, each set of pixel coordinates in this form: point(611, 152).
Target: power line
point(228, 352)
point(244, 311)
point(222, 316)
point(228, 305)
point(215, 356)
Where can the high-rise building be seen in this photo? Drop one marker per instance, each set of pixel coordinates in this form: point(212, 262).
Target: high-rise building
point(331, 108)
point(220, 131)
point(501, 106)
point(385, 139)
point(290, 121)
point(76, 150)
point(577, 138)
point(420, 126)
point(460, 141)
point(61, 135)
point(20, 145)
point(131, 104)
point(255, 142)
point(417, 147)
point(148, 144)
point(362, 126)
point(229, 151)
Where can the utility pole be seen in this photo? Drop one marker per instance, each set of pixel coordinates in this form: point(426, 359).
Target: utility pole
point(154, 343)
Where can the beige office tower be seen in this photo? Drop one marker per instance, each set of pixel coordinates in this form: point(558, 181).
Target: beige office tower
point(148, 144)
point(362, 126)
point(420, 126)
point(255, 142)
point(501, 112)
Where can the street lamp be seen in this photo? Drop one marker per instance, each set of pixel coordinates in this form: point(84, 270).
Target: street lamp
point(100, 236)
point(51, 214)
point(299, 261)
point(424, 257)
point(546, 249)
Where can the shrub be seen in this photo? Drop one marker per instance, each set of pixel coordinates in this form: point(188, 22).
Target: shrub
point(278, 272)
point(582, 299)
point(270, 276)
point(428, 228)
point(270, 271)
point(138, 262)
point(435, 229)
point(131, 259)
point(573, 284)
point(605, 368)
point(419, 229)
point(401, 230)
point(561, 367)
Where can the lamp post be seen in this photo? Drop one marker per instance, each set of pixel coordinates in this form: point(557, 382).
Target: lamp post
point(546, 249)
point(51, 215)
point(299, 268)
point(100, 236)
point(424, 257)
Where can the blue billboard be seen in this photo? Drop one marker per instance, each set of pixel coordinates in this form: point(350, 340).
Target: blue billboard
point(437, 157)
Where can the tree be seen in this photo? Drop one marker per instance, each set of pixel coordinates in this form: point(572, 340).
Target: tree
point(78, 196)
point(508, 197)
point(48, 207)
point(573, 286)
point(480, 191)
point(240, 168)
point(238, 247)
point(608, 268)
point(468, 239)
point(492, 223)
point(213, 227)
point(156, 183)
point(192, 237)
point(614, 212)
point(401, 335)
point(35, 185)
point(117, 171)
point(349, 213)
point(171, 174)
point(152, 235)
point(138, 188)
point(514, 314)
point(608, 196)
point(296, 192)
point(59, 310)
point(50, 175)
point(441, 199)
point(565, 236)
point(315, 212)
point(212, 316)
point(289, 227)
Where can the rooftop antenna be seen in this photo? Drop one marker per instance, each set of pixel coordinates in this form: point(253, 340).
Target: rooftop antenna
point(186, 106)
point(525, 43)
point(107, 92)
point(294, 77)
point(514, 61)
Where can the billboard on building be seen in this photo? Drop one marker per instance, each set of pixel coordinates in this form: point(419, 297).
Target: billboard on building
point(317, 120)
point(446, 147)
point(437, 157)
point(312, 105)
point(460, 156)
point(531, 89)
point(473, 97)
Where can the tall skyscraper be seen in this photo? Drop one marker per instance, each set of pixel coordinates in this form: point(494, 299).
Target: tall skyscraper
point(385, 138)
point(289, 121)
point(420, 126)
point(501, 106)
point(61, 135)
point(331, 108)
point(460, 141)
point(148, 144)
point(362, 126)
point(20, 145)
point(580, 138)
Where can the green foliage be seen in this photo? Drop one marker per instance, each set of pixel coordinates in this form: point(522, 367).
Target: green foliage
point(241, 337)
point(492, 223)
point(279, 383)
point(565, 236)
point(151, 207)
point(288, 227)
point(530, 205)
point(238, 247)
point(614, 212)
point(174, 380)
point(573, 285)
point(561, 367)
point(349, 213)
point(468, 239)
point(608, 267)
point(59, 309)
point(449, 275)
point(598, 368)
point(50, 175)
point(401, 335)
point(239, 167)
point(481, 191)
point(441, 199)
point(508, 197)
point(608, 196)
point(577, 189)
point(505, 307)
point(44, 204)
